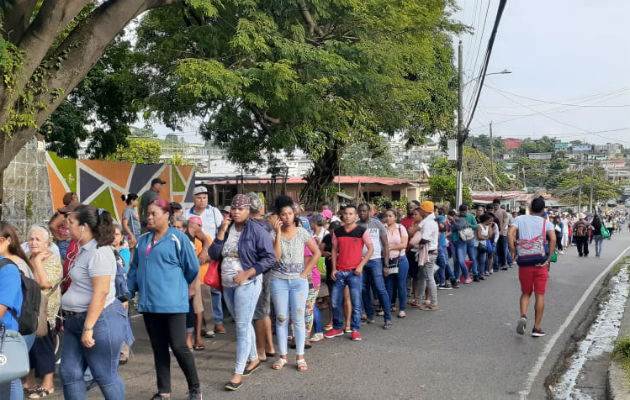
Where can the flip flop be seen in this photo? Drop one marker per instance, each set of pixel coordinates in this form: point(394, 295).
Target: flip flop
point(199, 347)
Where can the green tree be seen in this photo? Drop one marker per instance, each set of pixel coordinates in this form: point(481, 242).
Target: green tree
point(569, 183)
point(139, 151)
point(476, 167)
point(311, 75)
point(482, 143)
point(47, 48)
point(360, 159)
point(443, 189)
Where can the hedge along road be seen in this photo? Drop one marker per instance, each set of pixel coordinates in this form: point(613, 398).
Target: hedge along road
point(467, 348)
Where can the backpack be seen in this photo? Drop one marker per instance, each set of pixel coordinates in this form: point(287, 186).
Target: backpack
point(532, 251)
point(580, 229)
point(120, 283)
point(31, 299)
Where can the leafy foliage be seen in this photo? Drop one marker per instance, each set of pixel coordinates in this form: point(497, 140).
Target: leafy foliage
point(138, 151)
point(361, 159)
point(443, 189)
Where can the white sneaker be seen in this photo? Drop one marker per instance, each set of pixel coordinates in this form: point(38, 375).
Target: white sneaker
point(520, 325)
point(317, 337)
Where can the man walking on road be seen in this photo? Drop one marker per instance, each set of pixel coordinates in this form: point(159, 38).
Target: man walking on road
point(532, 240)
point(347, 266)
point(580, 235)
point(502, 245)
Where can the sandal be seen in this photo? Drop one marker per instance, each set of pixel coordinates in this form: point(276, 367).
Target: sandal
point(40, 392)
point(279, 364)
point(199, 347)
point(301, 365)
point(328, 327)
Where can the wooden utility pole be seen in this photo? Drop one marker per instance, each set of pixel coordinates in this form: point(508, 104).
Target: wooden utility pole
point(580, 191)
point(460, 125)
point(491, 154)
point(590, 196)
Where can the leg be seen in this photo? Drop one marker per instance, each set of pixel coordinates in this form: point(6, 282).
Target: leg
point(429, 267)
point(280, 298)
point(401, 282)
point(378, 284)
point(539, 307)
point(422, 280)
point(460, 249)
point(103, 357)
point(208, 312)
point(347, 305)
point(298, 293)
point(159, 343)
point(366, 295)
point(217, 307)
point(329, 302)
point(72, 361)
point(354, 282)
point(310, 309)
point(262, 322)
point(472, 256)
point(524, 303)
point(337, 297)
point(182, 353)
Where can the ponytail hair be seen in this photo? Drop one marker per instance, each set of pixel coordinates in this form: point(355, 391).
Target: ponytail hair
point(99, 221)
point(129, 198)
point(8, 231)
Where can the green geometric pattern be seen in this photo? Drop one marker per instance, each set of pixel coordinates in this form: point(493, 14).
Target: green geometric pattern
point(104, 201)
point(177, 182)
point(68, 169)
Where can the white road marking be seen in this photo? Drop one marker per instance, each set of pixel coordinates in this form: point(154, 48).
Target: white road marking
point(531, 377)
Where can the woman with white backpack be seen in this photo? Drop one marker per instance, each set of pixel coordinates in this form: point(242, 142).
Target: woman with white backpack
point(398, 267)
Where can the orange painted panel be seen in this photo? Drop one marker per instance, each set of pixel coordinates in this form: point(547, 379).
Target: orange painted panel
point(56, 189)
point(166, 189)
point(178, 198)
point(117, 172)
point(185, 171)
point(118, 203)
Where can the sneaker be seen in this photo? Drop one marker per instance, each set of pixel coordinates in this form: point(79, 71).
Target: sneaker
point(388, 324)
point(333, 333)
point(481, 278)
point(356, 336)
point(444, 287)
point(520, 325)
point(209, 333)
point(317, 337)
point(538, 332)
point(467, 281)
point(455, 285)
point(195, 394)
point(505, 268)
point(402, 314)
point(158, 396)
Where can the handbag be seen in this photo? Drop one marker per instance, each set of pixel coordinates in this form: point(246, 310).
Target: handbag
point(42, 319)
point(213, 276)
point(13, 355)
point(605, 232)
point(489, 247)
point(392, 265)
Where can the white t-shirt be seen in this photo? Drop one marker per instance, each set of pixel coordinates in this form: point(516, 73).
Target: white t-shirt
point(430, 231)
point(530, 226)
point(211, 219)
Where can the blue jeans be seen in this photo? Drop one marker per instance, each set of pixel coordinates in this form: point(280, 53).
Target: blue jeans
point(217, 306)
point(397, 284)
point(241, 302)
point(508, 256)
point(290, 294)
point(373, 278)
point(445, 266)
point(353, 281)
point(317, 321)
point(472, 256)
point(598, 244)
point(460, 260)
point(482, 261)
point(102, 358)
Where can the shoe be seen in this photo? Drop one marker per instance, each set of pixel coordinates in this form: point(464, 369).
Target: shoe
point(158, 396)
point(333, 333)
point(422, 306)
point(486, 273)
point(209, 333)
point(538, 332)
point(433, 307)
point(467, 281)
point(233, 386)
point(317, 337)
point(195, 394)
point(455, 285)
point(356, 336)
point(380, 313)
point(444, 287)
point(328, 327)
point(248, 372)
point(388, 324)
point(579, 255)
point(402, 314)
point(481, 278)
point(475, 278)
point(219, 329)
point(504, 268)
point(520, 325)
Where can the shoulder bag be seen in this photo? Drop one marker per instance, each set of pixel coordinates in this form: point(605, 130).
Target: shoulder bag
point(13, 355)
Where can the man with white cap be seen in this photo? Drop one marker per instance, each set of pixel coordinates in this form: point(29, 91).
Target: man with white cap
point(580, 235)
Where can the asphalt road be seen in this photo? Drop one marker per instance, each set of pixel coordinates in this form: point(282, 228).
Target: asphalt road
point(467, 349)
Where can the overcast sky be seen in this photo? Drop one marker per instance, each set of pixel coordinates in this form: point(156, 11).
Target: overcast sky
point(574, 52)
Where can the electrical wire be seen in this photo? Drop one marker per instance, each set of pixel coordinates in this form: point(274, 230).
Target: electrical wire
point(557, 103)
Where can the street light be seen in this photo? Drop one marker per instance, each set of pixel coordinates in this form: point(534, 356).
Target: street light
point(505, 71)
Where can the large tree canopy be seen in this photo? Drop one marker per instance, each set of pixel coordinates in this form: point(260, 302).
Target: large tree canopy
point(274, 75)
point(46, 48)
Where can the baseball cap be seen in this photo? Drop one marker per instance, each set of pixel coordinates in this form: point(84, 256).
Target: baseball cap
point(463, 207)
point(226, 209)
point(156, 181)
point(200, 190)
point(195, 219)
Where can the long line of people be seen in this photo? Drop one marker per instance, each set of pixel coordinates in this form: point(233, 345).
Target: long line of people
point(268, 267)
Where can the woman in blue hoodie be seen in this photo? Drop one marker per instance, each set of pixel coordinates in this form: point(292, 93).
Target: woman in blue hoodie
point(245, 251)
point(164, 264)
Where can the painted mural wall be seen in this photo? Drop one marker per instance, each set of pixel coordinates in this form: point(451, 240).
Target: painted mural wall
point(102, 183)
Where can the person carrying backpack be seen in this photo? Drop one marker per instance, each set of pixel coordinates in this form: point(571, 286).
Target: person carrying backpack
point(580, 235)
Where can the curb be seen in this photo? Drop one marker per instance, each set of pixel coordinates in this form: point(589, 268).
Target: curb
point(618, 384)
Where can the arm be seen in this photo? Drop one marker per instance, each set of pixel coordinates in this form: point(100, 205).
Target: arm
point(217, 244)
point(205, 244)
point(188, 259)
point(100, 288)
point(512, 240)
point(312, 262)
point(415, 239)
point(479, 234)
point(333, 259)
point(365, 259)
point(128, 231)
point(385, 247)
point(277, 243)
point(264, 249)
point(132, 282)
point(41, 277)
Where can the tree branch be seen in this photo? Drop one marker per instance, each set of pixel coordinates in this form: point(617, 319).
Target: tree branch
point(16, 20)
point(312, 26)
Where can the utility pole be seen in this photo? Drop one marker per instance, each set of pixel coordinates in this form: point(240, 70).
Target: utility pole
point(491, 154)
point(460, 125)
point(580, 191)
point(524, 183)
point(590, 197)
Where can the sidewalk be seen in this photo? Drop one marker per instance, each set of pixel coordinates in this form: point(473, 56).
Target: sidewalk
point(618, 382)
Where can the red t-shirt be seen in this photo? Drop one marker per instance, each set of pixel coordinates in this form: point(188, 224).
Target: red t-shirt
point(406, 222)
point(350, 247)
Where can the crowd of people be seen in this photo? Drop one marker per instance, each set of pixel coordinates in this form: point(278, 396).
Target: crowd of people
point(177, 267)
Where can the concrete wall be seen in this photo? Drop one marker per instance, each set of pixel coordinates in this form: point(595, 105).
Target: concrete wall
point(26, 191)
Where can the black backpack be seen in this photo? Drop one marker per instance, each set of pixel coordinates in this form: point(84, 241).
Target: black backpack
point(31, 298)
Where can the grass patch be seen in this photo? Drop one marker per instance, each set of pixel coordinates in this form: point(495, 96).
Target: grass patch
point(615, 270)
point(621, 353)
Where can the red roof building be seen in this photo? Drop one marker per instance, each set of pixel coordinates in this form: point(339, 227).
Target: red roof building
point(512, 143)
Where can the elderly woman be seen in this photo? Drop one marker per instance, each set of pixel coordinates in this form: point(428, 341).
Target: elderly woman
point(94, 320)
point(162, 269)
point(245, 251)
point(48, 271)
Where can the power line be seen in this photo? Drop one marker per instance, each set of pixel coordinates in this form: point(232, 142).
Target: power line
point(558, 103)
point(486, 61)
point(483, 31)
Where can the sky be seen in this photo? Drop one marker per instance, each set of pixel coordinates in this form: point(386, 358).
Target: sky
point(572, 52)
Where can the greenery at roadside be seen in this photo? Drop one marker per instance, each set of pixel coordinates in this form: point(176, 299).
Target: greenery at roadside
point(621, 353)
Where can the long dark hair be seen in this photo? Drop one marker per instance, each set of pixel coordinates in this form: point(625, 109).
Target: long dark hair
point(7, 231)
point(283, 201)
point(129, 198)
point(100, 222)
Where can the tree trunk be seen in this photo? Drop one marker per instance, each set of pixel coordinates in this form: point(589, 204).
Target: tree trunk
point(325, 168)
